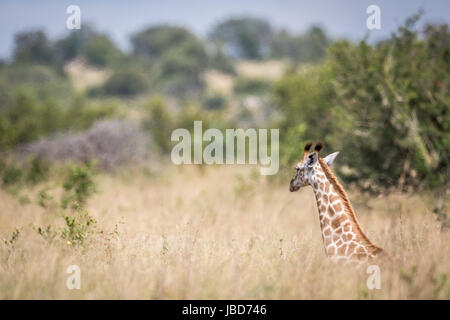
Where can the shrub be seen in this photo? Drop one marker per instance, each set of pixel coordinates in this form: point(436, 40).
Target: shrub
point(39, 170)
point(159, 123)
point(78, 187)
point(176, 59)
point(384, 106)
point(214, 102)
point(100, 51)
point(79, 226)
point(33, 47)
point(251, 86)
point(14, 172)
point(125, 82)
point(11, 174)
point(396, 96)
point(35, 106)
point(13, 238)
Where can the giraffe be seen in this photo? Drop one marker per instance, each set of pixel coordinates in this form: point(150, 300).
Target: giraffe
point(343, 238)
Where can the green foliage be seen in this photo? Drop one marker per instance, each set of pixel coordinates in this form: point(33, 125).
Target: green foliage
point(125, 82)
point(220, 61)
point(251, 86)
point(215, 101)
point(13, 238)
point(246, 37)
point(33, 47)
point(157, 41)
point(79, 229)
point(176, 58)
point(251, 38)
point(72, 45)
point(11, 174)
point(100, 51)
point(41, 81)
point(29, 114)
point(33, 171)
point(396, 96)
point(159, 122)
point(78, 187)
point(306, 100)
point(191, 112)
point(308, 47)
point(82, 113)
point(45, 200)
point(47, 233)
point(79, 226)
point(385, 107)
point(22, 120)
point(38, 171)
point(96, 48)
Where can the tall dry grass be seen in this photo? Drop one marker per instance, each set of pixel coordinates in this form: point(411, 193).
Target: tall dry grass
point(219, 233)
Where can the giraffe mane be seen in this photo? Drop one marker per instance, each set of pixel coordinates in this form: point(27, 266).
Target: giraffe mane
point(346, 202)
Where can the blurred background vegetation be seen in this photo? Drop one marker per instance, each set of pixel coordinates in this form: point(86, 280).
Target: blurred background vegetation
point(384, 105)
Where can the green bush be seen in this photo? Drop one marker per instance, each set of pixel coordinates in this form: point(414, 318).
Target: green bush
point(26, 117)
point(159, 123)
point(38, 171)
point(125, 82)
point(13, 238)
point(34, 170)
point(397, 97)
point(44, 82)
point(33, 47)
point(219, 61)
point(215, 102)
point(36, 101)
point(11, 174)
point(251, 86)
point(385, 107)
point(308, 47)
point(82, 113)
point(100, 51)
point(174, 57)
point(244, 37)
point(78, 187)
point(79, 226)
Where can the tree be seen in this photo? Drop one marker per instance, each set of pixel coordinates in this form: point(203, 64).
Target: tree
point(33, 47)
point(100, 51)
point(96, 48)
point(396, 95)
point(308, 47)
point(385, 106)
point(177, 58)
point(246, 37)
point(157, 41)
point(159, 122)
point(125, 82)
point(72, 45)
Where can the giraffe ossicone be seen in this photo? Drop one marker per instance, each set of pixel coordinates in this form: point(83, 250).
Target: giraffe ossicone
point(342, 234)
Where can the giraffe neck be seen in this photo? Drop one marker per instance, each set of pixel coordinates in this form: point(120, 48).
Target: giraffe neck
point(341, 233)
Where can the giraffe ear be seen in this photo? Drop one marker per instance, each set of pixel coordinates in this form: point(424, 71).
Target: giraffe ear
point(329, 159)
point(312, 159)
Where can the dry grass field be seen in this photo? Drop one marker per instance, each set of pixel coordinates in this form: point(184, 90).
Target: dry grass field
point(217, 233)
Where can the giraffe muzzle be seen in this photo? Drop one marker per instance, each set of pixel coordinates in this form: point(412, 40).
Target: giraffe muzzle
point(292, 187)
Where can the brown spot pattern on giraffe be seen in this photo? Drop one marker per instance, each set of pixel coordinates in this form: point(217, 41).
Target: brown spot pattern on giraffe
point(330, 211)
point(337, 207)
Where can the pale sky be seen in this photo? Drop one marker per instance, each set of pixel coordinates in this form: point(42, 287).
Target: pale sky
point(344, 18)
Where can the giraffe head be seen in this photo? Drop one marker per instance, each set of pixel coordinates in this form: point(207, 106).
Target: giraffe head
point(308, 166)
